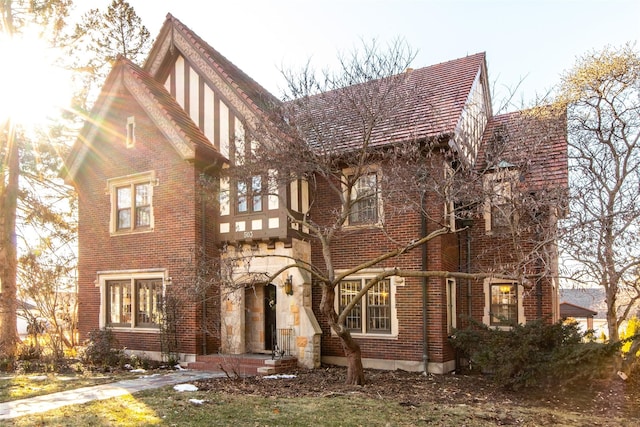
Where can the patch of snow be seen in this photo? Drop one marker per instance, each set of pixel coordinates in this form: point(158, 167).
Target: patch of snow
point(185, 387)
point(179, 368)
point(279, 377)
point(197, 401)
point(38, 378)
point(138, 371)
point(127, 366)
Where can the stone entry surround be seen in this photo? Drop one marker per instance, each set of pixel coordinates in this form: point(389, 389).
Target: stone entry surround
point(242, 307)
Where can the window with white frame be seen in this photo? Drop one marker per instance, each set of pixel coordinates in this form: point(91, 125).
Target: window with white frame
point(365, 198)
point(374, 314)
point(132, 300)
point(503, 303)
point(131, 203)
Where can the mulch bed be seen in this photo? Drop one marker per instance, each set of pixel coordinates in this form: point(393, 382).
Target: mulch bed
point(614, 397)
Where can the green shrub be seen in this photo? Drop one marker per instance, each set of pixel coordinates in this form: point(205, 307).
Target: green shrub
point(102, 350)
point(535, 354)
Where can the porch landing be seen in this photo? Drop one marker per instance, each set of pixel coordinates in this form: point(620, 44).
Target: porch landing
point(244, 364)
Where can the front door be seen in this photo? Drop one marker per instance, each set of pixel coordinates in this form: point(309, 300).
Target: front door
point(269, 316)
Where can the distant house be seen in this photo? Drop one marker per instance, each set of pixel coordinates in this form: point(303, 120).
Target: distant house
point(144, 227)
point(579, 314)
point(587, 306)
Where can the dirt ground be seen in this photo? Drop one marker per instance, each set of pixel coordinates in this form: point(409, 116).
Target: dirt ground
point(610, 397)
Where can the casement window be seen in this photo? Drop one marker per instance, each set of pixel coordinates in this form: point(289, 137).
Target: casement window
point(499, 211)
point(249, 195)
point(131, 203)
point(374, 314)
point(366, 204)
point(132, 300)
point(503, 304)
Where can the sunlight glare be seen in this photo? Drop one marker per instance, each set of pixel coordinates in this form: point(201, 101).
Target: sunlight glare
point(32, 88)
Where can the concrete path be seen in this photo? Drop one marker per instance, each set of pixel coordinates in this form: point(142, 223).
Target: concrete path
point(34, 405)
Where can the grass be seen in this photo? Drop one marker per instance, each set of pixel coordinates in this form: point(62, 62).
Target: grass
point(14, 387)
point(166, 406)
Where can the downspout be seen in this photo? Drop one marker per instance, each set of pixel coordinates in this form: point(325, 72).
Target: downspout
point(468, 236)
point(425, 340)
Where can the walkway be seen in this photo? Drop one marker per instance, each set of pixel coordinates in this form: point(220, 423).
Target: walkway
point(34, 405)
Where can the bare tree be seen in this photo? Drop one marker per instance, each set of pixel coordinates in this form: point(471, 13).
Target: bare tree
point(601, 237)
point(333, 132)
point(47, 17)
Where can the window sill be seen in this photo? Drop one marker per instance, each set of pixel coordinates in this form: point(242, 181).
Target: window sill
point(389, 337)
point(138, 330)
point(130, 232)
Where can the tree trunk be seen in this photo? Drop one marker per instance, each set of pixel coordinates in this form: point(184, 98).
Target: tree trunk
point(612, 316)
point(8, 253)
point(355, 370)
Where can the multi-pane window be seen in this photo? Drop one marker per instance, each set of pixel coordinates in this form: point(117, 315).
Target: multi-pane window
point(249, 195)
point(372, 314)
point(504, 304)
point(149, 302)
point(119, 303)
point(133, 212)
point(499, 210)
point(134, 302)
point(364, 200)
point(131, 201)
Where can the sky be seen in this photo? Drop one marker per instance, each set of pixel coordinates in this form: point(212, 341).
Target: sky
point(530, 43)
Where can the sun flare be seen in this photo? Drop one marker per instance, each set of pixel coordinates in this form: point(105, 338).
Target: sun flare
point(32, 87)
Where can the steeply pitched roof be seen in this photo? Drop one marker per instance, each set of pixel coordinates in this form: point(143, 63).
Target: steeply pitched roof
point(419, 104)
point(533, 141)
point(160, 106)
point(247, 89)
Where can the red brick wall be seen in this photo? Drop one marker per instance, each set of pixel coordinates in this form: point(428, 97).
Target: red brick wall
point(173, 243)
point(358, 245)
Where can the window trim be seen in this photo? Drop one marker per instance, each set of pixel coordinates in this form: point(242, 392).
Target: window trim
point(486, 319)
point(371, 169)
point(113, 184)
point(394, 283)
point(133, 276)
point(451, 292)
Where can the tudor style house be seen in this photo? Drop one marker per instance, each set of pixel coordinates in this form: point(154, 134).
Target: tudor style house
point(148, 229)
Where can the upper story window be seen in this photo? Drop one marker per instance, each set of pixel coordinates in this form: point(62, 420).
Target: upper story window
point(131, 134)
point(131, 202)
point(249, 195)
point(374, 314)
point(499, 208)
point(365, 199)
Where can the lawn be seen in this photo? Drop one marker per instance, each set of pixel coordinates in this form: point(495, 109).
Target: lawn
point(319, 398)
point(14, 387)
